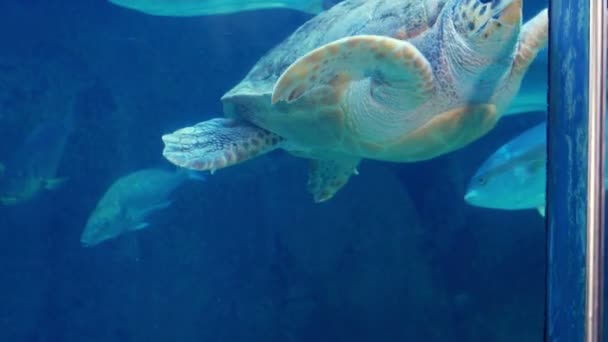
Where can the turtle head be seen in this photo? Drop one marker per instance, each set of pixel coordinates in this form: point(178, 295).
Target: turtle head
point(490, 27)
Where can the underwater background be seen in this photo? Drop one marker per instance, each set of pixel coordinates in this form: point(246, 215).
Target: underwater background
point(397, 255)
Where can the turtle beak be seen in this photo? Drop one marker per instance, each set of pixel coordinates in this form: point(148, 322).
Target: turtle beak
point(511, 14)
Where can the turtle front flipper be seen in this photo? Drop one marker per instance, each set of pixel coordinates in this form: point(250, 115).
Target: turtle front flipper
point(532, 39)
point(327, 176)
point(217, 143)
point(390, 63)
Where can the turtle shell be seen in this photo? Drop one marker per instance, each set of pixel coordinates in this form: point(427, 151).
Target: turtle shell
point(403, 19)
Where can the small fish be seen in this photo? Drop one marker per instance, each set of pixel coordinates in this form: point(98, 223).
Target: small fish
point(33, 167)
point(513, 177)
point(185, 8)
point(130, 200)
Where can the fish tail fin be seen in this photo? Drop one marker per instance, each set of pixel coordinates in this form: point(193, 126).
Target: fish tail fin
point(541, 210)
point(8, 200)
point(54, 183)
point(140, 226)
point(194, 175)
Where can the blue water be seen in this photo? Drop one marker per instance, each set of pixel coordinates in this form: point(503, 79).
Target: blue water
point(397, 255)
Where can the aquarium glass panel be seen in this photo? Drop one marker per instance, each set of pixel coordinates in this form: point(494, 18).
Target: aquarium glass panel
point(277, 171)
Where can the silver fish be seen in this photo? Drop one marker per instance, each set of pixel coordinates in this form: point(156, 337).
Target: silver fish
point(182, 8)
point(33, 167)
point(129, 201)
point(513, 177)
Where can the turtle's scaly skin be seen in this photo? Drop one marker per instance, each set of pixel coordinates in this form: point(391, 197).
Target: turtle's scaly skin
point(389, 80)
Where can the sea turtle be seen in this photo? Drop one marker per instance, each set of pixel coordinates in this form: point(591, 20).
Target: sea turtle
point(390, 80)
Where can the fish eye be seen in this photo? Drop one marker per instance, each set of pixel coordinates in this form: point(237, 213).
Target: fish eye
point(482, 181)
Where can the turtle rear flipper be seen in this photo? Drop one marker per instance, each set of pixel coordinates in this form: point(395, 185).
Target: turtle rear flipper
point(327, 176)
point(401, 75)
point(217, 143)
